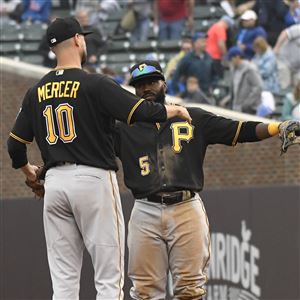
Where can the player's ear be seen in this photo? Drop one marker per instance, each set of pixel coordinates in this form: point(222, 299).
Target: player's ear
point(77, 39)
point(165, 87)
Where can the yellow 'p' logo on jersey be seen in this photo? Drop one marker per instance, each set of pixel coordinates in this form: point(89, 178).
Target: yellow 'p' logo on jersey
point(182, 131)
point(142, 66)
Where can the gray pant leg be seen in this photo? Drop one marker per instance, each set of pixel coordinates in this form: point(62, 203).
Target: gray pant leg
point(148, 258)
point(94, 201)
point(189, 244)
point(64, 242)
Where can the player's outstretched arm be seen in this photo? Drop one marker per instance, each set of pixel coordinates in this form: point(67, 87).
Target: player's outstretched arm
point(178, 111)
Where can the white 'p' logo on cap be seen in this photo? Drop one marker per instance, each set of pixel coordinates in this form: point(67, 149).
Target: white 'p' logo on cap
point(53, 40)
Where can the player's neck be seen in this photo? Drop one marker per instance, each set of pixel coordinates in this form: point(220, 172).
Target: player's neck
point(66, 66)
point(68, 62)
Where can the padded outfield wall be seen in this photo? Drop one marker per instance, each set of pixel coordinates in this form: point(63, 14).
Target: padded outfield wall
point(252, 197)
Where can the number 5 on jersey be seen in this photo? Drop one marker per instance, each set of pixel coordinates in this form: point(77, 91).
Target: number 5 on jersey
point(144, 165)
point(65, 123)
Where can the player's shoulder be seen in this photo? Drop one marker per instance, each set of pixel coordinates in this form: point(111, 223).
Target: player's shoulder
point(197, 112)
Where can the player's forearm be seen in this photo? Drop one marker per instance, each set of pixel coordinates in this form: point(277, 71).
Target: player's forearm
point(17, 153)
point(178, 111)
point(264, 131)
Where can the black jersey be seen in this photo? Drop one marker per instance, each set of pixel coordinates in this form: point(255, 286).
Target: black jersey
point(169, 156)
point(71, 115)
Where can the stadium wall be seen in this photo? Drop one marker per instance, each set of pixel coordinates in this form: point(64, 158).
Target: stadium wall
point(252, 196)
point(256, 164)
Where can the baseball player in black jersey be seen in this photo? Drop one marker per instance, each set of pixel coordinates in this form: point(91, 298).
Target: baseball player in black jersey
point(71, 115)
point(163, 167)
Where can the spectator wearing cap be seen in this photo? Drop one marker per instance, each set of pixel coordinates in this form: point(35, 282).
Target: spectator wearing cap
point(170, 17)
point(216, 42)
point(246, 83)
point(36, 10)
point(249, 32)
point(197, 63)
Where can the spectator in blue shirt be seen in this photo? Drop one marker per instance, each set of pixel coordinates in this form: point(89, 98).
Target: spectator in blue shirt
point(266, 63)
point(249, 32)
point(197, 63)
point(36, 10)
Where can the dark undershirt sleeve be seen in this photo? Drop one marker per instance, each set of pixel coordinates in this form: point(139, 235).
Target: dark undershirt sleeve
point(21, 134)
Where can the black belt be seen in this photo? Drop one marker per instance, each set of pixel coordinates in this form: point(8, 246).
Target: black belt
point(171, 198)
point(63, 163)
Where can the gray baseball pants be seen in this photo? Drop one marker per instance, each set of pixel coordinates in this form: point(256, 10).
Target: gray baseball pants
point(82, 208)
point(162, 238)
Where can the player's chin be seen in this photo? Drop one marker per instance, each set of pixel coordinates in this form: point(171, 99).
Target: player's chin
point(150, 98)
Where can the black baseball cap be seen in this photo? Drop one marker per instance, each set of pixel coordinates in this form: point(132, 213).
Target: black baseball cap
point(62, 29)
point(145, 69)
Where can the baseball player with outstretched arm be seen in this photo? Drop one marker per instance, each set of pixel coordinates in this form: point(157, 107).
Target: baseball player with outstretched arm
point(71, 115)
point(163, 167)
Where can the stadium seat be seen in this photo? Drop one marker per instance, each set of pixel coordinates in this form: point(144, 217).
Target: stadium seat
point(34, 32)
point(9, 48)
point(33, 59)
point(169, 45)
point(125, 58)
point(30, 47)
point(118, 46)
point(203, 12)
point(119, 68)
point(10, 36)
point(147, 46)
point(203, 25)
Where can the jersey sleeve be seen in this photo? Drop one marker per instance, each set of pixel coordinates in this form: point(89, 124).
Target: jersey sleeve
point(217, 129)
point(22, 130)
point(21, 134)
point(125, 106)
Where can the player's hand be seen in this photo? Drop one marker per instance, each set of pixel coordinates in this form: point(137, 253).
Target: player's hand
point(30, 171)
point(178, 111)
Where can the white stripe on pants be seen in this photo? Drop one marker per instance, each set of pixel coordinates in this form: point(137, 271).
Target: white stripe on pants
point(82, 207)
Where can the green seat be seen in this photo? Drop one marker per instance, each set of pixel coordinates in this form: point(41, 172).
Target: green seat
point(125, 58)
point(10, 36)
point(30, 47)
point(169, 45)
point(119, 68)
point(33, 59)
point(9, 48)
point(147, 46)
point(118, 46)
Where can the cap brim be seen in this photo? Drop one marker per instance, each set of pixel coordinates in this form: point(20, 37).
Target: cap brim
point(87, 32)
point(152, 75)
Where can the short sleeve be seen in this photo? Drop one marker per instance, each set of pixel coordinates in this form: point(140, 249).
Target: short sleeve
point(216, 129)
point(115, 100)
point(125, 106)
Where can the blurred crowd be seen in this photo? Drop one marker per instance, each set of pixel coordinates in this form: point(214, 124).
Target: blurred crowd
point(246, 60)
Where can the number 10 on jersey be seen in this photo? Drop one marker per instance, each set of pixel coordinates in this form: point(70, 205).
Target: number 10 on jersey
point(64, 119)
